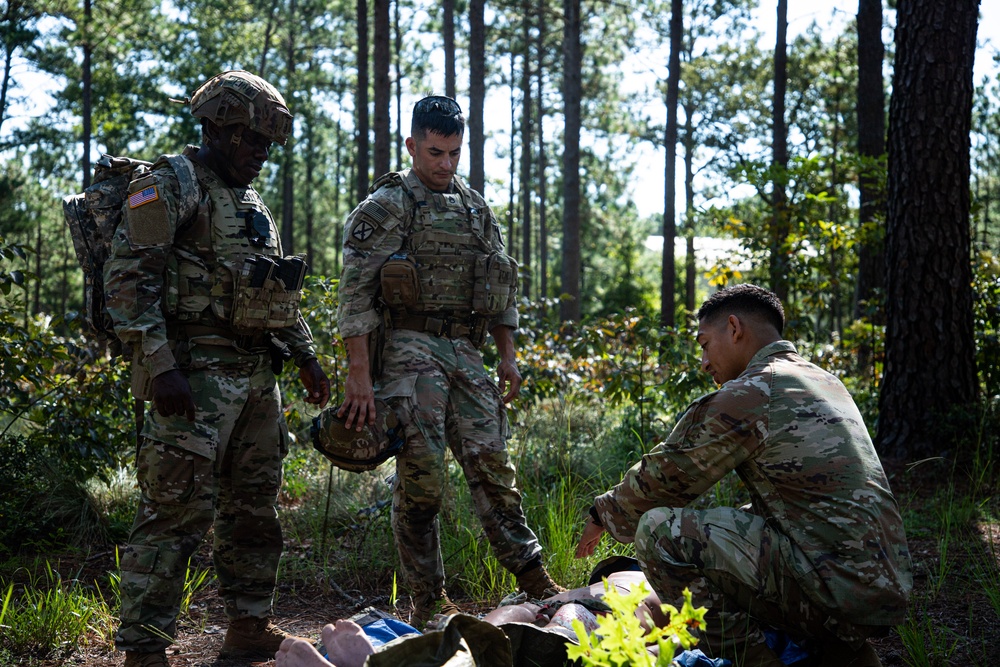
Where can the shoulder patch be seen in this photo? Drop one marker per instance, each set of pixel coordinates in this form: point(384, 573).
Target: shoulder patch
point(374, 210)
point(144, 196)
point(146, 215)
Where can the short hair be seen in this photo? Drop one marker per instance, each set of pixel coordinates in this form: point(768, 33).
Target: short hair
point(437, 114)
point(743, 300)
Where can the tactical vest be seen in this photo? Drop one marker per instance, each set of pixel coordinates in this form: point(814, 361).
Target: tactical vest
point(447, 265)
point(226, 262)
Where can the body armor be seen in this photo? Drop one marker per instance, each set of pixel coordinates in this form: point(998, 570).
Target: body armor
point(227, 268)
point(447, 264)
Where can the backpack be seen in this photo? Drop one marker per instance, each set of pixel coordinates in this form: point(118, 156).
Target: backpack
point(93, 217)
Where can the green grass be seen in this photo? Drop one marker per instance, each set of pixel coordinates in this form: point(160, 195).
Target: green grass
point(46, 618)
point(566, 450)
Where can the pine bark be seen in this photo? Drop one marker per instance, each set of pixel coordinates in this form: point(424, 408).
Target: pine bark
point(381, 56)
point(477, 95)
point(871, 148)
point(569, 307)
point(930, 374)
point(668, 272)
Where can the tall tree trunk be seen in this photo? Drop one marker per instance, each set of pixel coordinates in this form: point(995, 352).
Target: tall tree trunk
point(86, 93)
point(543, 240)
point(779, 161)
point(397, 59)
point(526, 142)
point(383, 89)
point(569, 307)
point(668, 271)
point(288, 162)
point(265, 49)
point(361, 103)
point(448, 34)
point(477, 95)
point(338, 180)
point(309, 119)
point(834, 259)
point(310, 159)
point(511, 210)
point(690, 260)
point(871, 148)
point(930, 372)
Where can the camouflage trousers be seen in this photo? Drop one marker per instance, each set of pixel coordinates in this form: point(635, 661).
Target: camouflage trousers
point(223, 468)
point(740, 568)
point(442, 394)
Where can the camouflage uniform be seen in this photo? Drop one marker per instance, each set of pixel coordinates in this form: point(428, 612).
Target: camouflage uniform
point(170, 287)
point(821, 552)
point(433, 374)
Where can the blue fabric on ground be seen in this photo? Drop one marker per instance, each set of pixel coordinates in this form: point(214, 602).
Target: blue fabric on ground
point(695, 658)
point(787, 650)
point(384, 630)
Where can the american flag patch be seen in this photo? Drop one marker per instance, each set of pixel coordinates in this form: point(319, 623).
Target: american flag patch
point(144, 196)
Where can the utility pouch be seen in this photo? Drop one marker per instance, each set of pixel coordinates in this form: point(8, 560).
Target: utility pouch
point(376, 345)
point(279, 354)
point(495, 283)
point(268, 292)
point(477, 332)
point(400, 284)
point(142, 384)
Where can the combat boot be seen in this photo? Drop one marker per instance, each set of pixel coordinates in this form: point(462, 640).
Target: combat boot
point(137, 659)
point(537, 583)
point(252, 639)
point(428, 605)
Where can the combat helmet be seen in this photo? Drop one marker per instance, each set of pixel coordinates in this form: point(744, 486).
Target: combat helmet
point(237, 96)
point(354, 450)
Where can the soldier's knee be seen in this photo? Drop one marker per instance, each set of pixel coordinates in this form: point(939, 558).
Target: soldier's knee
point(656, 533)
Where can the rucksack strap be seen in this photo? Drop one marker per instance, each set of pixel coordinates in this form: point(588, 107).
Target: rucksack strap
point(187, 180)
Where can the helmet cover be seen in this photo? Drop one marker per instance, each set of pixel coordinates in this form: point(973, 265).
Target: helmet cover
point(354, 450)
point(241, 97)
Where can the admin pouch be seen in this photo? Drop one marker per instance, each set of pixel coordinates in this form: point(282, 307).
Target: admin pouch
point(268, 292)
point(495, 283)
point(400, 283)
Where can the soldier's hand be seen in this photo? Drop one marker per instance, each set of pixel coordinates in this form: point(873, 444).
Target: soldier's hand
point(359, 401)
point(507, 374)
point(588, 541)
point(316, 383)
point(172, 395)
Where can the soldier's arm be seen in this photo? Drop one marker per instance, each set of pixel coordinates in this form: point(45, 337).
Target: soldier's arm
point(715, 435)
point(359, 395)
point(508, 377)
point(133, 274)
point(373, 231)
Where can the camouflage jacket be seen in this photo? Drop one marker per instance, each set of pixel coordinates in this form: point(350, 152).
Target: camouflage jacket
point(376, 229)
point(795, 437)
point(143, 256)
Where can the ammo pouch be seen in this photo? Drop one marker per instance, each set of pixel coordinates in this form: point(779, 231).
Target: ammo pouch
point(400, 284)
point(495, 283)
point(268, 292)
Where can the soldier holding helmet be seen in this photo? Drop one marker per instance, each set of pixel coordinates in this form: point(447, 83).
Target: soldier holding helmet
point(430, 249)
point(197, 285)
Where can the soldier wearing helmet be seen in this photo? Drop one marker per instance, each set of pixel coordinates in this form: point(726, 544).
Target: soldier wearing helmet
point(198, 286)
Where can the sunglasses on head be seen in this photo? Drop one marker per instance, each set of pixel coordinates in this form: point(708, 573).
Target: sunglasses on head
point(438, 104)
